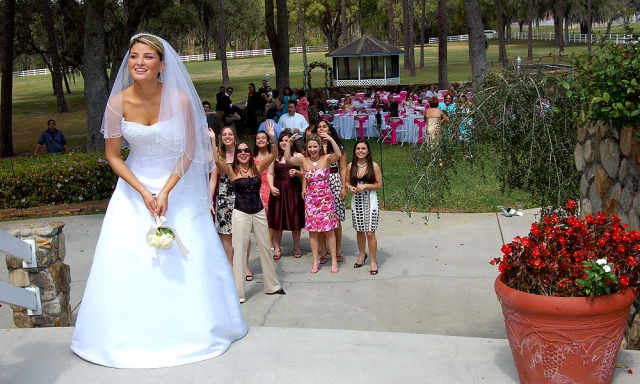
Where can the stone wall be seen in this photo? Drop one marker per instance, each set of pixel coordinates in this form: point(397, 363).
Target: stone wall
point(52, 276)
point(609, 160)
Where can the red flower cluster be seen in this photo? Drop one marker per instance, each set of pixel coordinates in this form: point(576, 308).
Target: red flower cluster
point(551, 259)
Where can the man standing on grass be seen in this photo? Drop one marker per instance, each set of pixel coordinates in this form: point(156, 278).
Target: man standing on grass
point(53, 139)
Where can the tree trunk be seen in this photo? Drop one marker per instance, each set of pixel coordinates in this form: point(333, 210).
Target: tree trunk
point(95, 72)
point(304, 45)
point(6, 89)
point(55, 58)
point(343, 11)
point(405, 31)
point(422, 22)
point(411, 39)
point(530, 35)
point(360, 18)
point(589, 25)
point(560, 19)
point(443, 81)
point(477, 48)
point(392, 32)
point(502, 49)
point(222, 45)
point(278, 40)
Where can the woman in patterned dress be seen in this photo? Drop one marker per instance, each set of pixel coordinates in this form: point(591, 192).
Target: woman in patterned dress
point(225, 199)
point(286, 205)
point(320, 213)
point(365, 178)
point(338, 174)
point(261, 150)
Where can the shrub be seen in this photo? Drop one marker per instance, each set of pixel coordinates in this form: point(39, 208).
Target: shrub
point(55, 179)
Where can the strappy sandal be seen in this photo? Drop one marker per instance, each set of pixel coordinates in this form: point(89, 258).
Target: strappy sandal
point(314, 268)
point(323, 258)
point(276, 255)
point(339, 258)
point(297, 254)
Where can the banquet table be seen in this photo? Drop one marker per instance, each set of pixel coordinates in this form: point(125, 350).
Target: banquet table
point(347, 126)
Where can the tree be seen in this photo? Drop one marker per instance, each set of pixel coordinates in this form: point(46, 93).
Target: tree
point(422, 21)
point(94, 72)
point(442, 45)
point(477, 50)
point(55, 57)
point(530, 33)
point(304, 43)
point(343, 12)
point(502, 49)
point(222, 45)
point(392, 32)
point(6, 89)
point(278, 39)
point(411, 38)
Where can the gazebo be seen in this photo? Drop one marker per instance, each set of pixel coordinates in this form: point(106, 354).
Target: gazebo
point(366, 61)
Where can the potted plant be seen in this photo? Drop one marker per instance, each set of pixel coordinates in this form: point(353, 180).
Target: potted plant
point(566, 290)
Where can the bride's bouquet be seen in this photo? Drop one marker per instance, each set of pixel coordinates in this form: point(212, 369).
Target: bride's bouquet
point(161, 236)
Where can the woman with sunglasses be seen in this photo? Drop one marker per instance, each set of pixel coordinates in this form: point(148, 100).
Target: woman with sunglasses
point(248, 212)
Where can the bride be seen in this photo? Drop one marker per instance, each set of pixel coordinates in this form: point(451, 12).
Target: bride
point(145, 307)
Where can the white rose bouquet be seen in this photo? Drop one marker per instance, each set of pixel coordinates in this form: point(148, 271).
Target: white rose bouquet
point(161, 236)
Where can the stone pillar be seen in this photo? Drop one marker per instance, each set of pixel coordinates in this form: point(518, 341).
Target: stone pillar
point(52, 276)
point(609, 160)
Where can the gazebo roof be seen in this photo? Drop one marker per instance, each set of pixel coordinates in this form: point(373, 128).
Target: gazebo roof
point(366, 46)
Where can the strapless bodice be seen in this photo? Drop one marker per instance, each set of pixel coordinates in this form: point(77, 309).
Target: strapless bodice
point(145, 159)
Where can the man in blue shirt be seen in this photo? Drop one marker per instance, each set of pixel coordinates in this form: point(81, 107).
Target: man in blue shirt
point(53, 139)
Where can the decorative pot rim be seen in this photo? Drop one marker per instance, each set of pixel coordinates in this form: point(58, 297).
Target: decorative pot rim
point(563, 306)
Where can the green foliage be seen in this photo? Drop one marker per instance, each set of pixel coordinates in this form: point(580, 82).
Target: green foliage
point(55, 179)
point(600, 278)
point(607, 81)
point(531, 127)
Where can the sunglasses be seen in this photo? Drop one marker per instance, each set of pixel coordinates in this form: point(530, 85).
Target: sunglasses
point(243, 150)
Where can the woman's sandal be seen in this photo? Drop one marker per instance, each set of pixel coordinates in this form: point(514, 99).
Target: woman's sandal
point(335, 269)
point(249, 278)
point(373, 271)
point(356, 265)
point(314, 268)
point(297, 254)
point(276, 255)
point(323, 258)
point(339, 258)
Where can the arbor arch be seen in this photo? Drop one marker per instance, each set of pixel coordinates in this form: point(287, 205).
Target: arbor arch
point(328, 74)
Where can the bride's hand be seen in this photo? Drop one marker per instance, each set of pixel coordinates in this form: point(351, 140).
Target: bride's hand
point(149, 201)
point(161, 203)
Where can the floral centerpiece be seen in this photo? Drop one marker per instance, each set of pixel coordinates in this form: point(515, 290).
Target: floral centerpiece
point(566, 256)
point(566, 291)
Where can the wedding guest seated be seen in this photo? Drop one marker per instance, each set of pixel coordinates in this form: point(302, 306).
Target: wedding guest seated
point(347, 106)
point(292, 120)
point(392, 106)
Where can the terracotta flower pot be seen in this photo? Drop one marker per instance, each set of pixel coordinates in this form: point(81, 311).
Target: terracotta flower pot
point(564, 339)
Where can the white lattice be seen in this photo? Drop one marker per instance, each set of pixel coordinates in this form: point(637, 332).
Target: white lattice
point(387, 81)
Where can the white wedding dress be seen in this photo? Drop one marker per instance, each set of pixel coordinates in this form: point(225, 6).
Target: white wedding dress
point(139, 312)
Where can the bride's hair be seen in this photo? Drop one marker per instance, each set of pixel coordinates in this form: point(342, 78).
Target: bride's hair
point(150, 40)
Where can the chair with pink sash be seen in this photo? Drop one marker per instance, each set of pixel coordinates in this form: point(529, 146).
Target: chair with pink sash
point(420, 124)
point(390, 134)
point(362, 119)
point(325, 117)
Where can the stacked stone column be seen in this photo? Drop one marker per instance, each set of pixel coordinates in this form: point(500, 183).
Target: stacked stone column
point(51, 275)
point(609, 160)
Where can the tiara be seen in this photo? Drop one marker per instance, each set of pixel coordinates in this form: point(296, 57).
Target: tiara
point(143, 34)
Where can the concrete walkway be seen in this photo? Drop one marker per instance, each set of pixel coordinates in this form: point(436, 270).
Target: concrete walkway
point(430, 315)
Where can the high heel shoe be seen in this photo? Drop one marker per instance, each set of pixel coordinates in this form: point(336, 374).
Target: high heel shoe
point(356, 265)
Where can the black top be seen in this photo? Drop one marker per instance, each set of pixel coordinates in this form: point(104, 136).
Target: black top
point(247, 191)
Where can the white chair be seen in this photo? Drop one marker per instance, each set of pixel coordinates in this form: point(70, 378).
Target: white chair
point(393, 128)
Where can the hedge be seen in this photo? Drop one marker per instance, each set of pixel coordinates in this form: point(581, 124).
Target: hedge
point(55, 179)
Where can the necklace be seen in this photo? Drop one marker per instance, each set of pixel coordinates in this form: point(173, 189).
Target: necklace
point(246, 173)
point(361, 166)
point(314, 162)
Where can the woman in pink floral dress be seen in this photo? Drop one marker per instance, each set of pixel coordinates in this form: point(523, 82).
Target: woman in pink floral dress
point(320, 213)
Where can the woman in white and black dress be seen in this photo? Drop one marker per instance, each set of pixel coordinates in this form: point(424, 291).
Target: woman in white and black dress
point(145, 307)
point(364, 179)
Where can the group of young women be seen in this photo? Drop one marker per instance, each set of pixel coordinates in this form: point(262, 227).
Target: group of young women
point(299, 188)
